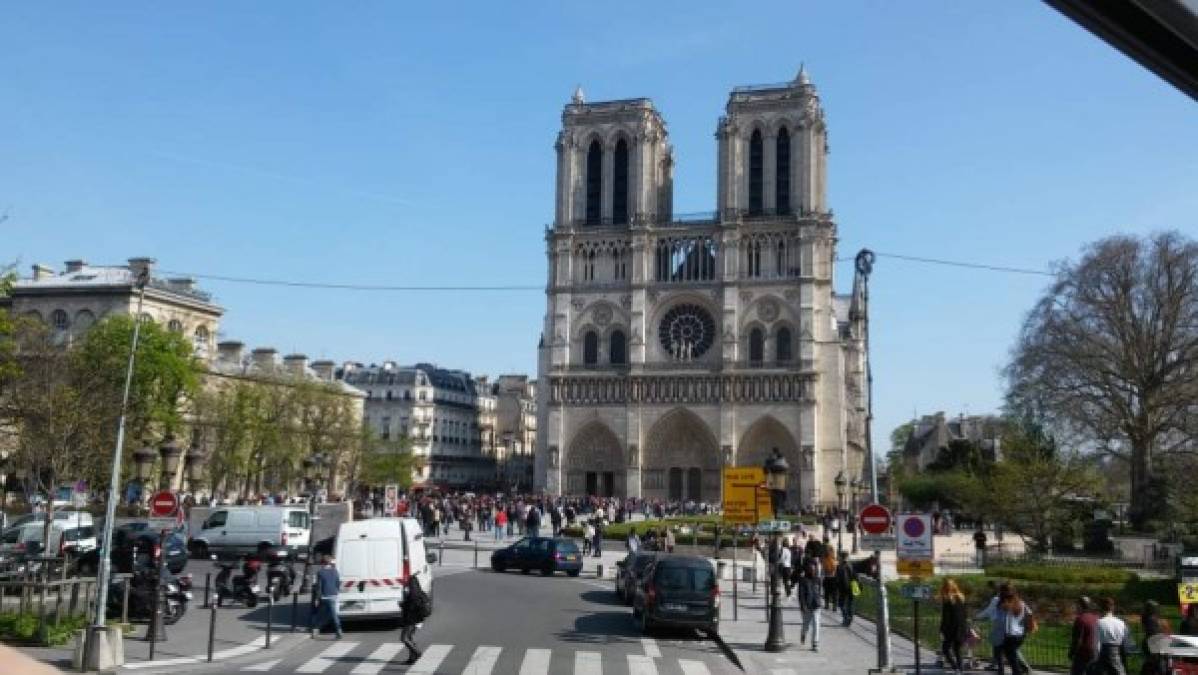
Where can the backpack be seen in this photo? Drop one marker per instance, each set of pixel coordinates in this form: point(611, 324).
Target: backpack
point(419, 604)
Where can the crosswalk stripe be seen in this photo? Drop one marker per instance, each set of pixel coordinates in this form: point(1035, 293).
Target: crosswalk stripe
point(430, 660)
point(639, 664)
point(588, 663)
point(483, 660)
point(693, 667)
point(327, 658)
point(651, 649)
point(378, 659)
point(536, 662)
point(265, 665)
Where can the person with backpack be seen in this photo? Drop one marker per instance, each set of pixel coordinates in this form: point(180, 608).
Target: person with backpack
point(828, 563)
point(416, 608)
point(808, 592)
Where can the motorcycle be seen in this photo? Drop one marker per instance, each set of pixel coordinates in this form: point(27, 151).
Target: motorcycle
point(143, 592)
point(280, 577)
point(243, 587)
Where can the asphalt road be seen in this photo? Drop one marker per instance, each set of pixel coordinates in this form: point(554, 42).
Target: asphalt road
point(504, 623)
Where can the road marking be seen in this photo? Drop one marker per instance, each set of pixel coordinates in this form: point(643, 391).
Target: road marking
point(693, 667)
point(246, 648)
point(185, 660)
point(265, 665)
point(782, 671)
point(378, 659)
point(536, 662)
point(483, 661)
point(588, 663)
point(430, 660)
point(639, 664)
point(327, 658)
point(651, 649)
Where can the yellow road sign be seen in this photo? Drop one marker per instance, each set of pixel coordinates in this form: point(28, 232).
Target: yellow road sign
point(744, 501)
point(1187, 593)
point(916, 568)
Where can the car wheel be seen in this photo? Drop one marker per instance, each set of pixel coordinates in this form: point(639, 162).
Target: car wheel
point(573, 573)
point(251, 601)
point(523, 570)
point(498, 566)
point(547, 571)
point(199, 550)
point(172, 614)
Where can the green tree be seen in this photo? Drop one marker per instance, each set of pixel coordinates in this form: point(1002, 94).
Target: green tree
point(895, 463)
point(388, 462)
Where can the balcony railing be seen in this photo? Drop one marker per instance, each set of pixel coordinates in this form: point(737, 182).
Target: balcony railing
point(701, 218)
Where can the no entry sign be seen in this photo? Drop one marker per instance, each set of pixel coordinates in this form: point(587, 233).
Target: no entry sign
point(875, 519)
point(164, 504)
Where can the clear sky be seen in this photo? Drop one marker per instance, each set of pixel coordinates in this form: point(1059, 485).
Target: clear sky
point(405, 142)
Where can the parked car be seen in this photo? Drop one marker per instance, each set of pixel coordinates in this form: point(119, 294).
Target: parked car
point(375, 557)
point(240, 529)
point(76, 517)
point(628, 572)
point(64, 537)
point(678, 591)
point(546, 554)
point(123, 542)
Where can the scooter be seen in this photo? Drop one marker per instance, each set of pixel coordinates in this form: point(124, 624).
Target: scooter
point(280, 576)
point(243, 587)
point(142, 595)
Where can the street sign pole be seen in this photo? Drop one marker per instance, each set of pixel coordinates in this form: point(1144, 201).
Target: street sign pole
point(883, 618)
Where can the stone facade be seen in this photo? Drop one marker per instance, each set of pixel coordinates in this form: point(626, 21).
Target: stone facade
point(676, 345)
point(931, 435)
point(72, 300)
point(515, 430)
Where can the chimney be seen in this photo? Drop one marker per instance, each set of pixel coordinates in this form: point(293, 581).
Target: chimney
point(41, 272)
point(229, 351)
point(388, 365)
point(74, 266)
point(185, 284)
point(138, 266)
point(296, 364)
point(264, 358)
point(324, 369)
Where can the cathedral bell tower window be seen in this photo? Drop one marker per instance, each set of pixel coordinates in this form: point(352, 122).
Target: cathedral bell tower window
point(594, 183)
point(618, 348)
point(782, 171)
point(756, 172)
point(782, 349)
point(590, 348)
point(756, 346)
point(619, 203)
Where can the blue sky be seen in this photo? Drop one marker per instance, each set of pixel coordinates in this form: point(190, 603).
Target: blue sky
point(412, 143)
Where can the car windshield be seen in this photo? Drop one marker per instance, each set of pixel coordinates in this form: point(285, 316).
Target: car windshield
point(680, 578)
point(566, 546)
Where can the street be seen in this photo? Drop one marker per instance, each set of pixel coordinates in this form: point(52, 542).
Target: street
point(493, 623)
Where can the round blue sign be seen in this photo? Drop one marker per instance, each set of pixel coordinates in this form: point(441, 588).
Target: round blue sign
point(913, 527)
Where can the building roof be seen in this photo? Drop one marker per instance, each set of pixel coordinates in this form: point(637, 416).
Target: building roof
point(80, 276)
point(386, 374)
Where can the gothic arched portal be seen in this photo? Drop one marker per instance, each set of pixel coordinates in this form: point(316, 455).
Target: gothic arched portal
point(595, 463)
point(682, 460)
point(758, 444)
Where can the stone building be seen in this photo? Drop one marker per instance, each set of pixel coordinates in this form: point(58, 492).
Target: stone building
point(676, 345)
point(932, 435)
point(72, 300)
point(437, 410)
point(515, 431)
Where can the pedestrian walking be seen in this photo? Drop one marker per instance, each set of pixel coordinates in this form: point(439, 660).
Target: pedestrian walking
point(588, 537)
point(1113, 640)
point(829, 564)
point(633, 543)
point(668, 538)
point(1018, 623)
point(953, 625)
point(847, 588)
point(500, 523)
point(1083, 643)
point(1152, 624)
point(597, 540)
point(784, 566)
point(809, 603)
point(979, 545)
point(325, 597)
point(992, 613)
point(416, 608)
point(532, 524)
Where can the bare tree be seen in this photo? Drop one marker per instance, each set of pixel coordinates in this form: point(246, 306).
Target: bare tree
point(1109, 356)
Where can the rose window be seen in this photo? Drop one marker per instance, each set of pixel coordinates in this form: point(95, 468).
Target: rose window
point(686, 332)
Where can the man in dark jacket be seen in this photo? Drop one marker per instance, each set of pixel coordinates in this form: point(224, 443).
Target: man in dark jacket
point(411, 619)
point(1083, 646)
point(846, 576)
point(325, 597)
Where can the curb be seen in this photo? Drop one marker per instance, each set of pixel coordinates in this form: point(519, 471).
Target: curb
point(256, 645)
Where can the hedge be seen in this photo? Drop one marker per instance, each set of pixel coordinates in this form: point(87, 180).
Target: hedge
point(1058, 574)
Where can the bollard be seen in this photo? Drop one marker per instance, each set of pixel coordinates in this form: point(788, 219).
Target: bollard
point(207, 589)
point(294, 608)
point(125, 603)
point(476, 553)
point(598, 570)
point(211, 626)
point(270, 612)
point(441, 552)
point(735, 603)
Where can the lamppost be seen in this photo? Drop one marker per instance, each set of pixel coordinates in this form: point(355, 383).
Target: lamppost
point(313, 466)
point(193, 466)
point(776, 470)
point(5, 465)
point(841, 482)
point(143, 465)
point(170, 453)
point(857, 486)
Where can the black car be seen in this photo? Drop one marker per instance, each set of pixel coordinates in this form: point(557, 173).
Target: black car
point(628, 573)
point(123, 542)
point(678, 591)
point(539, 553)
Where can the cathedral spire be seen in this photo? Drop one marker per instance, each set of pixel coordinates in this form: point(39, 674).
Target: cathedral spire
point(578, 98)
point(802, 79)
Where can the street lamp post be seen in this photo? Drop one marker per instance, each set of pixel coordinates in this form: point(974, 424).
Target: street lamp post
point(193, 466)
point(776, 470)
point(143, 464)
point(855, 485)
point(170, 453)
point(840, 482)
point(313, 466)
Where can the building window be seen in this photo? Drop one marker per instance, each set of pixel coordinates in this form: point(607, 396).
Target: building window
point(782, 171)
point(756, 345)
point(385, 429)
point(175, 326)
point(590, 348)
point(619, 202)
point(59, 320)
point(782, 349)
point(594, 183)
point(756, 167)
point(618, 348)
point(201, 339)
point(388, 394)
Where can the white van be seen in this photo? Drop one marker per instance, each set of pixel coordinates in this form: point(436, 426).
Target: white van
point(64, 536)
point(240, 529)
point(374, 558)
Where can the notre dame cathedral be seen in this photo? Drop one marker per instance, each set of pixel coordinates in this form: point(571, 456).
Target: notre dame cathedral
point(677, 344)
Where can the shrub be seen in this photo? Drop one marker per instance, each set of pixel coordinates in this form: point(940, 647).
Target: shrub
point(1066, 575)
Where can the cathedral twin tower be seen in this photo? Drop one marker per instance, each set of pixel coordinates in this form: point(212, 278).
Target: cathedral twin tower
point(674, 346)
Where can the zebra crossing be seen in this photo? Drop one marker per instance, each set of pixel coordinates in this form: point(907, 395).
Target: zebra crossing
point(356, 658)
